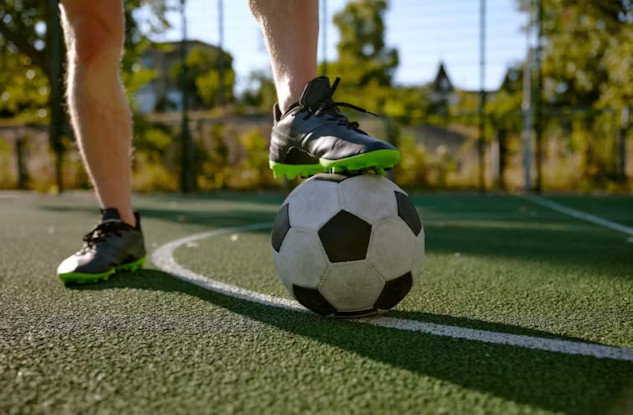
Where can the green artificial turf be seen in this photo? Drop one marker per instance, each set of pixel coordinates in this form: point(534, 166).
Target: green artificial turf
point(147, 342)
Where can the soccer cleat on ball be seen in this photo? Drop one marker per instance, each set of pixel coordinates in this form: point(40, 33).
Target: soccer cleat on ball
point(112, 246)
point(313, 136)
point(348, 246)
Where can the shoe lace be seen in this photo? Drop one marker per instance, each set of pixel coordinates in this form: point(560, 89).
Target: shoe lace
point(331, 108)
point(101, 232)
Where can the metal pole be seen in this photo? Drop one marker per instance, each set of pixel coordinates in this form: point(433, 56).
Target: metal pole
point(538, 102)
point(526, 105)
point(221, 97)
point(186, 168)
point(56, 126)
point(624, 126)
point(324, 27)
point(23, 174)
point(482, 96)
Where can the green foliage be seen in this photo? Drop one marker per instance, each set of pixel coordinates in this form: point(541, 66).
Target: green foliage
point(618, 61)
point(504, 111)
point(367, 66)
point(363, 55)
point(7, 179)
point(203, 77)
point(587, 49)
point(413, 169)
point(587, 67)
point(25, 89)
point(23, 30)
point(261, 94)
point(406, 105)
point(212, 160)
point(26, 58)
point(156, 155)
point(253, 171)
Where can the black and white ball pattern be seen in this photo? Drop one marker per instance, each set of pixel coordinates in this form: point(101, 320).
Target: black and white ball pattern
point(348, 246)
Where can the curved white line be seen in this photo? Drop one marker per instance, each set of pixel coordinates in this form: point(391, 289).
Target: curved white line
point(163, 257)
point(579, 215)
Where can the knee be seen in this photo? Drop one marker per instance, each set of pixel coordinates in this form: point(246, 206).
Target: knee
point(93, 29)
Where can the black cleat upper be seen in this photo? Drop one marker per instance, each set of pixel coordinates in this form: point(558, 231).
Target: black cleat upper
point(109, 246)
point(315, 128)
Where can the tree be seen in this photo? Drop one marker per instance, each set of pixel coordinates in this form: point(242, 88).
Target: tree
point(586, 51)
point(363, 56)
point(24, 88)
point(204, 77)
point(260, 93)
point(586, 61)
point(31, 46)
point(24, 31)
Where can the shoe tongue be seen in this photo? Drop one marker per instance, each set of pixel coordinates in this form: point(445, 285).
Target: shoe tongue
point(317, 90)
point(110, 215)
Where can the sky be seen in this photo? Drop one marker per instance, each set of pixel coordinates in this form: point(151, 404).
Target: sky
point(425, 32)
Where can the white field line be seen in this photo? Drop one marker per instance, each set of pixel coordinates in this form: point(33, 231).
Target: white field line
point(163, 257)
point(579, 215)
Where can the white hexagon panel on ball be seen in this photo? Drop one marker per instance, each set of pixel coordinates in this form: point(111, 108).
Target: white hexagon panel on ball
point(369, 197)
point(352, 286)
point(313, 203)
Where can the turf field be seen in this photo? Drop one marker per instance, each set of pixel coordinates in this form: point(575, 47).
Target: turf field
point(504, 280)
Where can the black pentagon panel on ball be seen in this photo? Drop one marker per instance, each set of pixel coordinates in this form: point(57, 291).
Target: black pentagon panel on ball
point(330, 177)
point(313, 300)
point(345, 237)
point(281, 226)
point(408, 213)
point(394, 291)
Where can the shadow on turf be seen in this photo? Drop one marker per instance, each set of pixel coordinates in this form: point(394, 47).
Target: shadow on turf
point(552, 381)
point(604, 255)
point(575, 246)
point(213, 218)
point(496, 226)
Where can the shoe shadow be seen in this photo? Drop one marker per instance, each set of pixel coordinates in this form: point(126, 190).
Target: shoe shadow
point(551, 381)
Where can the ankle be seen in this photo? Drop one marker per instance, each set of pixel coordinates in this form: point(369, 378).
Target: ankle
point(290, 90)
point(287, 101)
point(129, 218)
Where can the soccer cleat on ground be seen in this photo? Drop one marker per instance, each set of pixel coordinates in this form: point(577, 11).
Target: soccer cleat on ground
point(313, 136)
point(112, 246)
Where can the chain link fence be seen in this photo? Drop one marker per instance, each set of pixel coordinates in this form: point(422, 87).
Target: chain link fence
point(459, 107)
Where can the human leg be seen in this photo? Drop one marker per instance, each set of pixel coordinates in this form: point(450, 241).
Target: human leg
point(310, 135)
point(101, 120)
point(291, 29)
point(97, 104)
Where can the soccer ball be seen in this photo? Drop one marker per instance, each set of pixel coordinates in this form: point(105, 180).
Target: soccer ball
point(348, 246)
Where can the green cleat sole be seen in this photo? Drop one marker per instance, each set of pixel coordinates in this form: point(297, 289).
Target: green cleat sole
point(85, 278)
point(378, 161)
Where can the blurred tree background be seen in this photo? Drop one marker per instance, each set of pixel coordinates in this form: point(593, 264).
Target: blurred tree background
point(581, 89)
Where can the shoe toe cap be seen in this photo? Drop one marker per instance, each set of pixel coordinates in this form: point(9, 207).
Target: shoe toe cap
point(85, 264)
point(70, 264)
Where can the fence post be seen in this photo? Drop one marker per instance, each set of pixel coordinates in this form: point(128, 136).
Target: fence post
point(624, 126)
point(390, 134)
point(481, 147)
point(501, 153)
point(22, 173)
point(57, 112)
point(187, 172)
point(538, 100)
